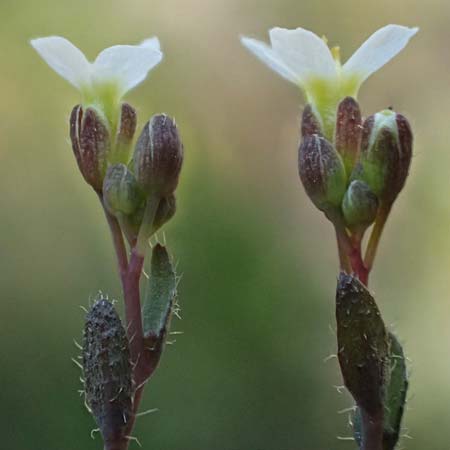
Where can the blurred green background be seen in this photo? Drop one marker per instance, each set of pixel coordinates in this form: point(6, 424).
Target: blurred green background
point(259, 262)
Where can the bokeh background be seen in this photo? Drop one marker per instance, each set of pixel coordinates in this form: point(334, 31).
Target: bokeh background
point(259, 265)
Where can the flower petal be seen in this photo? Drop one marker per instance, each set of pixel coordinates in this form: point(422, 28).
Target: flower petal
point(128, 65)
point(264, 53)
point(305, 53)
point(380, 48)
point(64, 58)
point(152, 42)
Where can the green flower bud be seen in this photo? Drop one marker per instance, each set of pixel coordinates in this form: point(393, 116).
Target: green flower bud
point(124, 136)
point(322, 172)
point(107, 371)
point(121, 192)
point(89, 133)
point(158, 156)
point(310, 123)
point(386, 152)
point(360, 206)
point(348, 132)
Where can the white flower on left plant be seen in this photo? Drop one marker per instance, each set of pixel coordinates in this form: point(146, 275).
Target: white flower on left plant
point(103, 82)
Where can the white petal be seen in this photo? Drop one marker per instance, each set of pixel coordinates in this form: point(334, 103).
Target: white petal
point(303, 52)
point(152, 42)
point(64, 58)
point(127, 65)
point(380, 48)
point(263, 52)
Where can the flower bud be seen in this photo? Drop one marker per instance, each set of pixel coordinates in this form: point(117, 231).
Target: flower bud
point(386, 151)
point(124, 136)
point(89, 133)
point(348, 132)
point(310, 123)
point(107, 371)
point(158, 156)
point(121, 192)
point(363, 348)
point(360, 206)
point(322, 172)
point(166, 210)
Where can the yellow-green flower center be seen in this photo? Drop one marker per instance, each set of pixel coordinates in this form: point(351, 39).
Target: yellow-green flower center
point(325, 94)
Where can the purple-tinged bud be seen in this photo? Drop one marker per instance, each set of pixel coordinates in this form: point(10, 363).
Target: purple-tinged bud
point(322, 172)
point(121, 193)
point(310, 123)
point(348, 132)
point(166, 210)
point(405, 141)
point(125, 133)
point(90, 138)
point(363, 348)
point(158, 156)
point(386, 152)
point(107, 372)
point(360, 206)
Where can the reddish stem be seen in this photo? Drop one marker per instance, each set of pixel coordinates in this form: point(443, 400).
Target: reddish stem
point(372, 431)
point(133, 309)
point(130, 275)
point(119, 245)
point(356, 260)
point(350, 254)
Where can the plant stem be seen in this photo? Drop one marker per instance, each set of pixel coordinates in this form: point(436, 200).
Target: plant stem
point(350, 252)
point(342, 250)
point(119, 245)
point(130, 274)
point(133, 310)
point(356, 260)
point(132, 420)
point(147, 224)
point(375, 237)
point(372, 431)
point(120, 444)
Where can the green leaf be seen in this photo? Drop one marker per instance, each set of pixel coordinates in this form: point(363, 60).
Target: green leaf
point(363, 349)
point(395, 396)
point(159, 296)
point(394, 399)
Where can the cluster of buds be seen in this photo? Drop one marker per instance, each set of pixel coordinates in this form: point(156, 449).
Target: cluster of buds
point(129, 181)
point(359, 174)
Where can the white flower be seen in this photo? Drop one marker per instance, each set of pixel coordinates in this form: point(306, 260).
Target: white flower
point(103, 82)
point(303, 58)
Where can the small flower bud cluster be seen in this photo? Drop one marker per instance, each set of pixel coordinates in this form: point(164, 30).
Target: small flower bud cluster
point(362, 171)
point(127, 182)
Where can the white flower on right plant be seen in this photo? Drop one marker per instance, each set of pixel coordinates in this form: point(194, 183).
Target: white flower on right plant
point(305, 59)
